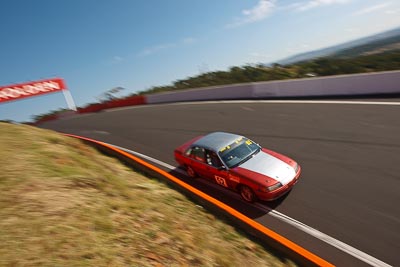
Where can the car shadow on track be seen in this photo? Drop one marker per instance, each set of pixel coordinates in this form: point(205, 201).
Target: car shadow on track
point(227, 196)
point(275, 203)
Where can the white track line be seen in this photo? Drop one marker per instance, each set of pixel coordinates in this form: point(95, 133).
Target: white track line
point(324, 237)
point(290, 102)
point(161, 163)
point(282, 217)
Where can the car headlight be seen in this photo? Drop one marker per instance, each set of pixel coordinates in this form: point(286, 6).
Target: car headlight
point(274, 187)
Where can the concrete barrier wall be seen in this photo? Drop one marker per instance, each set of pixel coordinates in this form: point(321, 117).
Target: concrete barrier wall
point(236, 91)
point(341, 85)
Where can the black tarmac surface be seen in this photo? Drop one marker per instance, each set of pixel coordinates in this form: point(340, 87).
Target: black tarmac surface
point(350, 155)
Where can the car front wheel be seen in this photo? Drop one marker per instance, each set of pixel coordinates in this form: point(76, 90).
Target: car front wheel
point(247, 194)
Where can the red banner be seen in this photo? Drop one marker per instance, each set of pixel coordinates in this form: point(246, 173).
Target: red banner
point(23, 90)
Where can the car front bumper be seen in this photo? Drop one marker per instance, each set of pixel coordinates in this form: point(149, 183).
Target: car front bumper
point(269, 196)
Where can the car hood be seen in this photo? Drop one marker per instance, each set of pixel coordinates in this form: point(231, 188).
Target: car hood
point(263, 164)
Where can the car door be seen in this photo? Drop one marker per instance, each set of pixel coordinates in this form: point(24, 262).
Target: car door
point(216, 171)
point(198, 160)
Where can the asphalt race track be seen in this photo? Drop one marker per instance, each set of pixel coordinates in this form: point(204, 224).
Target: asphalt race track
point(350, 155)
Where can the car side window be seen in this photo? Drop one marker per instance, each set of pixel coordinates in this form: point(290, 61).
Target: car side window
point(213, 159)
point(198, 153)
point(188, 152)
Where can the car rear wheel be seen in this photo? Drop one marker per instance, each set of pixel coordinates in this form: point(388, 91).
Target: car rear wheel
point(191, 172)
point(247, 194)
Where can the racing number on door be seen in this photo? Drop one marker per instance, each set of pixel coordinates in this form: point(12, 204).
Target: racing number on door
point(220, 180)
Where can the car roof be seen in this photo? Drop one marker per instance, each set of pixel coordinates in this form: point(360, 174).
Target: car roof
point(217, 140)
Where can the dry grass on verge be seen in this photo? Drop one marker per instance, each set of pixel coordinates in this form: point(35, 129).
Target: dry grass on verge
point(64, 204)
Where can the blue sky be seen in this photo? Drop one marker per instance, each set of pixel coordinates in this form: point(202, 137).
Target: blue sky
point(96, 45)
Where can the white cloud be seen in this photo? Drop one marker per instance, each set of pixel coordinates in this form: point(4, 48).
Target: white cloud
point(157, 48)
point(298, 48)
point(292, 6)
point(154, 49)
point(260, 56)
point(188, 40)
point(352, 30)
point(260, 11)
point(117, 59)
point(370, 9)
point(318, 3)
point(257, 13)
point(392, 12)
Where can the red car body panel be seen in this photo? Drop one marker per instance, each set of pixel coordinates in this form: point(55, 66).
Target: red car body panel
point(179, 151)
point(234, 177)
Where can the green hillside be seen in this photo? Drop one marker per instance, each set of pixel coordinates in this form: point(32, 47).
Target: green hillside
point(326, 66)
point(376, 47)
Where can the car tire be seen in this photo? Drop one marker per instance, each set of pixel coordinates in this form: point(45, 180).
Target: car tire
point(190, 172)
point(247, 194)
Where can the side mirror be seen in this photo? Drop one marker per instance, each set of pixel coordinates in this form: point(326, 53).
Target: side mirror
point(222, 168)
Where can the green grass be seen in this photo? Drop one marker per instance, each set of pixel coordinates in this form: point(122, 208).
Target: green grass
point(64, 204)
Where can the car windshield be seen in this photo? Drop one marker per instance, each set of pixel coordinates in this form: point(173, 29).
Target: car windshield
point(238, 152)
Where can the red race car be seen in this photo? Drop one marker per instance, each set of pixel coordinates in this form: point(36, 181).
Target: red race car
point(236, 162)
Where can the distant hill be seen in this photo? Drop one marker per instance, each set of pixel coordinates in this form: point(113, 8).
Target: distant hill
point(381, 42)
